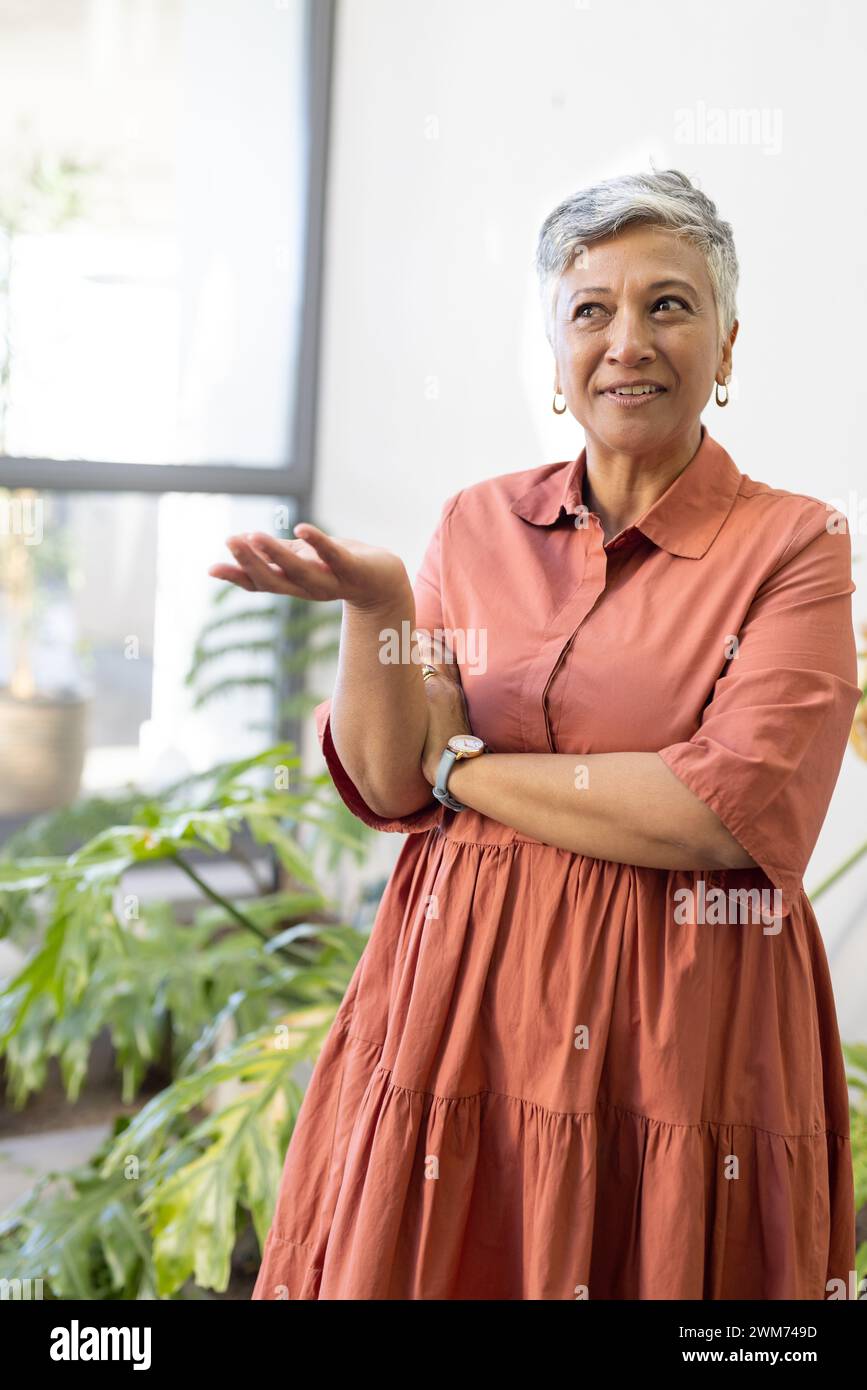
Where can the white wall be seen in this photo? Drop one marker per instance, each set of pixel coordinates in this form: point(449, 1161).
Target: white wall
point(456, 128)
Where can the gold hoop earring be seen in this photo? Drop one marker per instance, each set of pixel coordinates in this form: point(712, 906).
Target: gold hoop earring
point(554, 404)
point(716, 393)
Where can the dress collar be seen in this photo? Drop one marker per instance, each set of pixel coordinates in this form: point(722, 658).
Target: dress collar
point(683, 521)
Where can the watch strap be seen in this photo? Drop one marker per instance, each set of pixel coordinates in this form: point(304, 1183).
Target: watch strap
point(440, 790)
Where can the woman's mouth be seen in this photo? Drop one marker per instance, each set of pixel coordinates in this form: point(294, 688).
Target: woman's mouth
point(635, 398)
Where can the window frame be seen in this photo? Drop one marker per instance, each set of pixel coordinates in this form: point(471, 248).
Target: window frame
point(292, 481)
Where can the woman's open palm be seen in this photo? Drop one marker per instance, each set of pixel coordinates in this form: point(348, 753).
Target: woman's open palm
point(315, 566)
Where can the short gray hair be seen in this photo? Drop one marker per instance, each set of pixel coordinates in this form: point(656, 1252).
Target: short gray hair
point(665, 199)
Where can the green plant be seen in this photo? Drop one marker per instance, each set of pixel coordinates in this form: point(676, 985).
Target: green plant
point(93, 935)
point(856, 1056)
point(161, 1205)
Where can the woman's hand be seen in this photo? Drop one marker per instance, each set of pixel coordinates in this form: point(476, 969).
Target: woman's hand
point(446, 708)
point(316, 566)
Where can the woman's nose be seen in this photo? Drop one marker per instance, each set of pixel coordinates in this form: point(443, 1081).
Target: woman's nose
point(631, 337)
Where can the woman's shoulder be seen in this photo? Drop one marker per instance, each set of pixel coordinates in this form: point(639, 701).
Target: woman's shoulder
point(797, 514)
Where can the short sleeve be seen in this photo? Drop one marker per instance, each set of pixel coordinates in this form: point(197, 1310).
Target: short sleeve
point(427, 590)
point(768, 752)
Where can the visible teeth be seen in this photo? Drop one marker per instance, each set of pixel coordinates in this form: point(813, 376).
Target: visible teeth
point(635, 390)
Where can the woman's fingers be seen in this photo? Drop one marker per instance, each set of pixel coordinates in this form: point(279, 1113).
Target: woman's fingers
point(315, 566)
point(266, 565)
point(422, 641)
point(298, 561)
point(264, 576)
point(255, 566)
point(312, 547)
point(331, 552)
point(233, 575)
point(437, 653)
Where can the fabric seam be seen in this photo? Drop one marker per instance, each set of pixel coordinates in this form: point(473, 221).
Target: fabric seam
point(610, 1105)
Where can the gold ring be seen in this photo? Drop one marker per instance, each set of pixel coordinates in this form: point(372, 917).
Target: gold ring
point(427, 671)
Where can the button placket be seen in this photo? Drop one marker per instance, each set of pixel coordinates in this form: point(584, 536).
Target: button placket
point(557, 639)
point(621, 540)
point(620, 545)
point(549, 682)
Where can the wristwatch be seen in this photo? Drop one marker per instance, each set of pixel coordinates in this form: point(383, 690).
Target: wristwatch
point(459, 746)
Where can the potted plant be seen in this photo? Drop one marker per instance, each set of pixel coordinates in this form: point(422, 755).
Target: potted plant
point(42, 727)
point(42, 730)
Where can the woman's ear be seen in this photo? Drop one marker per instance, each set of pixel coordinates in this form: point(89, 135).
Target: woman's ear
point(726, 363)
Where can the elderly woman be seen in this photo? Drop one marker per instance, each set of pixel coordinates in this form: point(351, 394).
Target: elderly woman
point(591, 1047)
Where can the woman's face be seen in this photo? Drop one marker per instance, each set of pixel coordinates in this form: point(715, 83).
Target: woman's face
point(638, 306)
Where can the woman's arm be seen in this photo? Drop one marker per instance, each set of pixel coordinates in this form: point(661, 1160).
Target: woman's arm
point(379, 713)
point(378, 709)
point(626, 807)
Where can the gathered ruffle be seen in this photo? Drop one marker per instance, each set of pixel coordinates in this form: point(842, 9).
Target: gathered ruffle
point(490, 1196)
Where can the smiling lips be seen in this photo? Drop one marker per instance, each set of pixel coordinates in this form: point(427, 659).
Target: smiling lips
point(634, 387)
point(630, 397)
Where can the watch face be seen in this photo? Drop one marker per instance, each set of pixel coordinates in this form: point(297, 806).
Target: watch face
point(466, 743)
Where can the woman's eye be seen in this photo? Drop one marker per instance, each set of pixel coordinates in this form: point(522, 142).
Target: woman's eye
point(672, 299)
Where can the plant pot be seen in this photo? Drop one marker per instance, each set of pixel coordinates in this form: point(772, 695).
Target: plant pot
point(42, 746)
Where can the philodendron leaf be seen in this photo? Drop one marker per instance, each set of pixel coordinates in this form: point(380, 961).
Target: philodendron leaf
point(269, 832)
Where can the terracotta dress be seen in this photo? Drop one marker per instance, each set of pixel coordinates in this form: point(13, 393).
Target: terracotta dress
point(556, 1077)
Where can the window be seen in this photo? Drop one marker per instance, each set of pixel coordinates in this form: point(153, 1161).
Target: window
point(161, 203)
